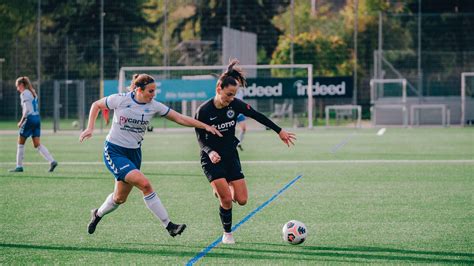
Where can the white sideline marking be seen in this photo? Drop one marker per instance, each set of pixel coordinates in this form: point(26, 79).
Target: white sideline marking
point(381, 132)
point(267, 162)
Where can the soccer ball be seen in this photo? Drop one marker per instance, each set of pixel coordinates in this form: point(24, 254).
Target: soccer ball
point(75, 124)
point(294, 232)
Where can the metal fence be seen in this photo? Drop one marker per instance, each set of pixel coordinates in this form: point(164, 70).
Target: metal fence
point(429, 50)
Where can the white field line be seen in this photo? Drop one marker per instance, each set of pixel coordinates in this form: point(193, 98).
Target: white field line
point(381, 131)
point(270, 162)
point(342, 143)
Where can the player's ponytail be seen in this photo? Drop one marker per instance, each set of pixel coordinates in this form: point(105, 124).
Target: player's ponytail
point(27, 84)
point(140, 81)
point(232, 75)
point(230, 67)
point(132, 84)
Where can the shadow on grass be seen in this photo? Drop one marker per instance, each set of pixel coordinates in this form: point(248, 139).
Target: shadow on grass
point(367, 249)
point(357, 253)
point(393, 250)
point(295, 254)
point(171, 251)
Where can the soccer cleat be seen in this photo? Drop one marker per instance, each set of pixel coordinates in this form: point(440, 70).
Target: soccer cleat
point(175, 229)
point(240, 147)
point(16, 170)
point(228, 238)
point(94, 221)
point(52, 166)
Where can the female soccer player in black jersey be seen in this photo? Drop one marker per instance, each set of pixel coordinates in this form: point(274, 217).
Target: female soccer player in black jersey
point(219, 157)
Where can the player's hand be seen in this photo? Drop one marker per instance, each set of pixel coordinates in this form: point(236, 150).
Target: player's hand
point(85, 134)
point(19, 124)
point(213, 130)
point(215, 157)
point(287, 137)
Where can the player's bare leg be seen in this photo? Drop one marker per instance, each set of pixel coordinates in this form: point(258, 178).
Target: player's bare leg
point(239, 191)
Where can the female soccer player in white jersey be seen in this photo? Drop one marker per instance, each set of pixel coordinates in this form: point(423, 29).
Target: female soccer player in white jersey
point(122, 153)
point(219, 157)
point(30, 125)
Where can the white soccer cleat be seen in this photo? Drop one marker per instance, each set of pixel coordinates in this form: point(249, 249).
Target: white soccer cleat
point(228, 238)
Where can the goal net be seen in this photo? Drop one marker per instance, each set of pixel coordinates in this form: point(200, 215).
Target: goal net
point(343, 115)
point(388, 99)
point(269, 88)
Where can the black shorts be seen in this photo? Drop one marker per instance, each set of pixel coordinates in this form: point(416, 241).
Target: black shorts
point(228, 168)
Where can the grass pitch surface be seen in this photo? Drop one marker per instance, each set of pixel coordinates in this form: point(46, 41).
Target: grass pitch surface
point(404, 197)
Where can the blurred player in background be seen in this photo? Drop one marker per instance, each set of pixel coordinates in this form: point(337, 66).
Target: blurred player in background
point(219, 157)
point(241, 120)
point(122, 152)
point(30, 125)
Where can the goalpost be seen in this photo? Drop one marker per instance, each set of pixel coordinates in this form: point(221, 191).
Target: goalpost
point(376, 93)
point(181, 74)
point(456, 108)
point(345, 111)
point(464, 90)
point(387, 97)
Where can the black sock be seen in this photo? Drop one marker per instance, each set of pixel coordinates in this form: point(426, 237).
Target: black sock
point(226, 218)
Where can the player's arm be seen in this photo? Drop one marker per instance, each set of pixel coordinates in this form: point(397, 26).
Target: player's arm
point(191, 122)
point(213, 155)
point(93, 113)
point(23, 118)
point(24, 112)
point(285, 136)
point(201, 138)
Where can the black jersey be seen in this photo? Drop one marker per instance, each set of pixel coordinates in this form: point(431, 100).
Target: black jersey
point(225, 120)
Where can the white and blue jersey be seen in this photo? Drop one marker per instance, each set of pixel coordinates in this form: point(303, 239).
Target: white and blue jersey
point(32, 124)
point(122, 152)
point(131, 119)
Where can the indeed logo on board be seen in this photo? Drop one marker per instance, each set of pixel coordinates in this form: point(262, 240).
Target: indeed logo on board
point(261, 91)
point(318, 89)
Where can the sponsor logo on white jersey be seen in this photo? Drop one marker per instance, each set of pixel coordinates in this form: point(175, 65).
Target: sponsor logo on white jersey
point(123, 120)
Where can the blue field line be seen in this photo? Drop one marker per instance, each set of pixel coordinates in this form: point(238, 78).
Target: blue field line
point(245, 219)
point(342, 143)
